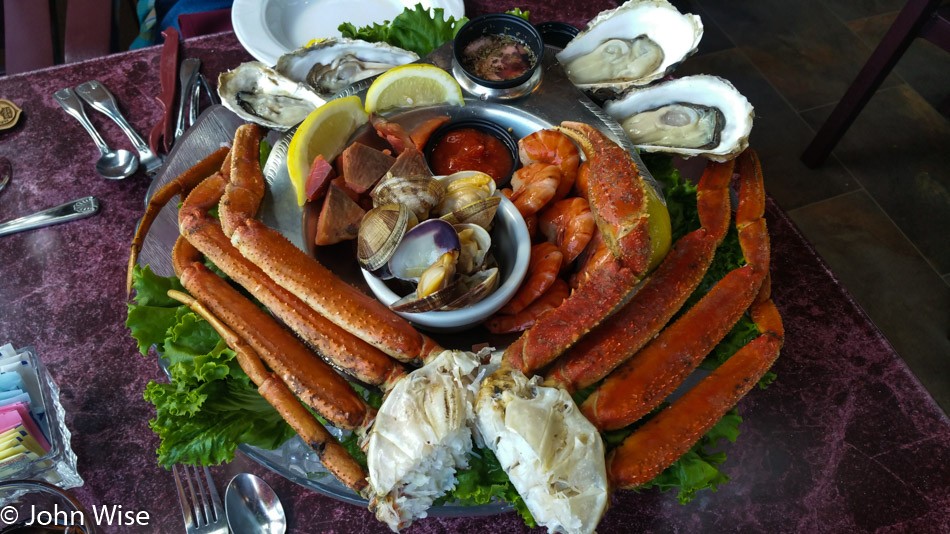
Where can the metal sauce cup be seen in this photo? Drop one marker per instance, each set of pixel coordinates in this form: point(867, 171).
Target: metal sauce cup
point(483, 125)
point(498, 24)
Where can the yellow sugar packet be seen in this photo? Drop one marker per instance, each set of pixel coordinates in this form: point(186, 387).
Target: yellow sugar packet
point(15, 463)
point(12, 450)
point(23, 438)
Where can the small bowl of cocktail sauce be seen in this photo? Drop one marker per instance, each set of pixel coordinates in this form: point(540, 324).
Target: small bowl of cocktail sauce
point(472, 145)
point(499, 51)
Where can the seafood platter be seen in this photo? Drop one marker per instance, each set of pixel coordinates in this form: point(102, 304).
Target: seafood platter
point(594, 281)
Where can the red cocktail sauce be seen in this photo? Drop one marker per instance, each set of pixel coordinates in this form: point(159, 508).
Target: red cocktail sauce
point(468, 149)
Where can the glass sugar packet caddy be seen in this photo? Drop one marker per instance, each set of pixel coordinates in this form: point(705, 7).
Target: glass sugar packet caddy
point(34, 440)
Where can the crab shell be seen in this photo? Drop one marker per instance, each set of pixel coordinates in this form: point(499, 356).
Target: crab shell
point(703, 90)
point(552, 454)
point(678, 36)
point(422, 434)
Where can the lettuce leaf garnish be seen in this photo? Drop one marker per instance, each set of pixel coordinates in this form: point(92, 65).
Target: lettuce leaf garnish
point(154, 312)
point(210, 407)
point(484, 481)
point(698, 469)
point(413, 29)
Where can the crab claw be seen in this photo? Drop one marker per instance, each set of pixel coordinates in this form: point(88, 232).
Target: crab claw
point(552, 454)
point(421, 435)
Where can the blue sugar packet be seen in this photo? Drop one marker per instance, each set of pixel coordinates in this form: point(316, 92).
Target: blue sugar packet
point(10, 393)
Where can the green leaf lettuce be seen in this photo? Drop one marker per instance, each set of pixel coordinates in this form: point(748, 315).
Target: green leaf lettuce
point(413, 29)
point(210, 407)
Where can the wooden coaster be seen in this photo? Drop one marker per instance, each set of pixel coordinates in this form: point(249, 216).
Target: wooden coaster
point(9, 114)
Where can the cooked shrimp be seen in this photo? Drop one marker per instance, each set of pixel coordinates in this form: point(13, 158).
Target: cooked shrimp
point(393, 133)
point(554, 148)
point(536, 185)
point(580, 183)
point(552, 298)
point(420, 134)
point(570, 224)
point(531, 221)
point(542, 271)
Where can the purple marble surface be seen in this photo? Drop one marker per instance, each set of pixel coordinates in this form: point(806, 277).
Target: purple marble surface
point(845, 440)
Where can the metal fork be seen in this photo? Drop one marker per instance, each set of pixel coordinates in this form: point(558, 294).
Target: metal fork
point(208, 517)
point(97, 96)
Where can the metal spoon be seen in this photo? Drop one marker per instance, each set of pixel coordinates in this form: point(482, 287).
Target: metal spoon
point(252, 506)
point(96, 95)
point(112, 164)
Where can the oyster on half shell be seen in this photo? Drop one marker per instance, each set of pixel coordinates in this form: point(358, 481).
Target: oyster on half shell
point(257, 93)
point(632, 45)
point(690, 116)
point(304, 79)
point(330, 65)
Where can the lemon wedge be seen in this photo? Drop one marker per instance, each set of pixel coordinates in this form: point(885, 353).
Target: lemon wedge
point(412, 85)
point(324, 132)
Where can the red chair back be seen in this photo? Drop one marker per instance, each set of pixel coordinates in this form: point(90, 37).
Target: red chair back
point(31, 39)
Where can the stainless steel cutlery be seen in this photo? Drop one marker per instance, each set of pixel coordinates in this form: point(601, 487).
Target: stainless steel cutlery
point(96, 95)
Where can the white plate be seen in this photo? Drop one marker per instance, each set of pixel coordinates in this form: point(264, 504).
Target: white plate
point(271, 28)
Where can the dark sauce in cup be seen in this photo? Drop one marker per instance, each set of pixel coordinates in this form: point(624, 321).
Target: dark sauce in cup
point(496, 58)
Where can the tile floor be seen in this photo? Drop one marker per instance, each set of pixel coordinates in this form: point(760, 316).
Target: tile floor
point(878, 210)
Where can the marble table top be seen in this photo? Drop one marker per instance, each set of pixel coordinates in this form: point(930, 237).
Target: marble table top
point(845, 440)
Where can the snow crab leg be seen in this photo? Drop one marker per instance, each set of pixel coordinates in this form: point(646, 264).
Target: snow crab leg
point(671, 433)
point(181, 185)
point(635, 226)
point(339, 302)
point(661, 295)
point(331, 454)
point(315, 382)
point(205, 233)
point(640, 384)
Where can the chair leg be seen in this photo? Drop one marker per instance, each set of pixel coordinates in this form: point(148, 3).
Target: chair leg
point(944, 107)
point(892, 46)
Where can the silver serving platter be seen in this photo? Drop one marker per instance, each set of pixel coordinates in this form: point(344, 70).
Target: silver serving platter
point(553, 101)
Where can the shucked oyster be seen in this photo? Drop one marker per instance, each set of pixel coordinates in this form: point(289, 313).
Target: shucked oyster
point(304, 79)
point(632, 45)
point(691, 116)
point(678, 124)
point(258, 94)
point(331, 64)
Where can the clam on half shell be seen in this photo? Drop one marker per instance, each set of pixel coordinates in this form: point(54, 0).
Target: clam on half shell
point(690, 116)
point(633, 45)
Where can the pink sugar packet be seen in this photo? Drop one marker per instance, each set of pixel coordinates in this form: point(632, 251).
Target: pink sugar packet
point(18, 413)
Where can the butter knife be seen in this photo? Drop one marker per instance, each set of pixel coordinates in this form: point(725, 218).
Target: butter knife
point(70, 211)
point(189, 77)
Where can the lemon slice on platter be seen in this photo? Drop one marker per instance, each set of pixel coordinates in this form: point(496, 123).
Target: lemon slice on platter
point(324, 132)
point(413, 85)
